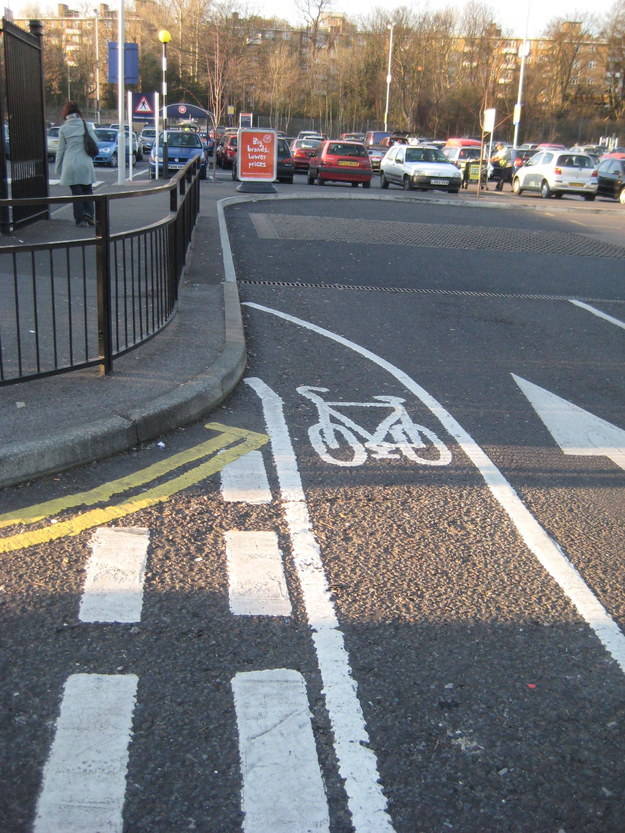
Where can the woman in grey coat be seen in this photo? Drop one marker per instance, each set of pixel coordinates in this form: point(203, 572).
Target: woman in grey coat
point(73, 163)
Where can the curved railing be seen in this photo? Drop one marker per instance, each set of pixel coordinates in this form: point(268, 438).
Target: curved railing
point(80, 303)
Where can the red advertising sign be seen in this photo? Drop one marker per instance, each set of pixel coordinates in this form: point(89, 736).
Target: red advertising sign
point(258, 155)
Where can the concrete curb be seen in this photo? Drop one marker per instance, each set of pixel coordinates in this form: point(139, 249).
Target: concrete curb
point(185, 404)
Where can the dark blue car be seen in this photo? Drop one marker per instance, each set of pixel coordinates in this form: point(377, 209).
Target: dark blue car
point(182, 145)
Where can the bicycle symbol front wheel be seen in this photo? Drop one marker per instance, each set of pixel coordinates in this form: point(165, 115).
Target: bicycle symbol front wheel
point(410, 443)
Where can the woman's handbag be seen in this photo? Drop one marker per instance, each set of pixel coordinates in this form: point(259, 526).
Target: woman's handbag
point(91, 147)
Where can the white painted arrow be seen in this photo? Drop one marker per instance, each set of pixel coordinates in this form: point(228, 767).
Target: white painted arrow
point(575, 430)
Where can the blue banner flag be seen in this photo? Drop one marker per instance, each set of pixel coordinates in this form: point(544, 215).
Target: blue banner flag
point(131, 63)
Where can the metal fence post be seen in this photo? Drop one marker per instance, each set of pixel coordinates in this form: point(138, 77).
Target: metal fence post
point(103, 285)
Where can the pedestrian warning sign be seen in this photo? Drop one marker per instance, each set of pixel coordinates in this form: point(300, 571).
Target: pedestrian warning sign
point(143, 106)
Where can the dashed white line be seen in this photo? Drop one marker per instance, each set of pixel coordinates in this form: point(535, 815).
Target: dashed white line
point(113, 589)
point(245, 480)
point(257, 586)
point(84, 779)
point(356, 760)
point(282, 787)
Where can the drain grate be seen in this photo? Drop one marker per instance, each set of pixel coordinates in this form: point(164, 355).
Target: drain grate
point(429, 291)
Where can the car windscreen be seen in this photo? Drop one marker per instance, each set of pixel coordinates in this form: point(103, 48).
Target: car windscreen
point(106, 135)
point(53, 131)
point(150, 133)
point(183, 140)
point(283, 149)
point(425, 155)
point(345, 149)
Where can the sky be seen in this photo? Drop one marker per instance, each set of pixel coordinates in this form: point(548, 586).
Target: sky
point(511, 16)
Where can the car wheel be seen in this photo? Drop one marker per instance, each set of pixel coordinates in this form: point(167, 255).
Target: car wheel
point(453, 190)
point(320, 181)
point(354, 185)
point(406, 183)
point(311, 177)
point(134, 159)
point(516, 187)
point(383, 181)
point(114, 160)
point(621, 196)
point(234, 172)
point(289, 180)
point(545, 190)
point(366, 184)
point(558, 195)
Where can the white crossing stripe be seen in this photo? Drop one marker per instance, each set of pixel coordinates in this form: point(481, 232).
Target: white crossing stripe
point(84, 779)
point(257, 586)
point(245, 480)
point(113, 590)
point(282, 785)
point(599, 313)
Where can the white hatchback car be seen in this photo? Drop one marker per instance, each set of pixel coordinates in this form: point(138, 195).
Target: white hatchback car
point(557, 172)
point(422, 167)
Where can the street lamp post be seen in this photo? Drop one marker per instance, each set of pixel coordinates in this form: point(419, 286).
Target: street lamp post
point(524, 51)
point(388, 76)
point(164, 38)
point(97, 68)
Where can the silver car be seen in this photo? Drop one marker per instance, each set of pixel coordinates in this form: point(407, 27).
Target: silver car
point(52, 142)
point(556, 172)
point(423, 167)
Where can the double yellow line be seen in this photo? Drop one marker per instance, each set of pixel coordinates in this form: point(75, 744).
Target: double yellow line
point(229, 444)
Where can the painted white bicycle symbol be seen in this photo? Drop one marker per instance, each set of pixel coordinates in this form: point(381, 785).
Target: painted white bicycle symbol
point(336, 434)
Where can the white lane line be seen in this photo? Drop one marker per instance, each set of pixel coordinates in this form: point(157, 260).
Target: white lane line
point(245, 480)
point(356, 760)
point(282, 787)
point(256, 582)
point(113, 589)
point(598, 313)
point(544, 548)
point(84, 779)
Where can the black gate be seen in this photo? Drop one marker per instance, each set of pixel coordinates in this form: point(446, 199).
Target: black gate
point(25, 160)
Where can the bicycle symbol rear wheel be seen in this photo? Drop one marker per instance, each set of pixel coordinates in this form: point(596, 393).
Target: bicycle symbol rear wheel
point(329, 443)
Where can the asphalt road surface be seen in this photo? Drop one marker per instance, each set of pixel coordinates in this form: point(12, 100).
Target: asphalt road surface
point(382, 588)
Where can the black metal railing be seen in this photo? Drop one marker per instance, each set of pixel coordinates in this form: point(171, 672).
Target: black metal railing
point(79, 303)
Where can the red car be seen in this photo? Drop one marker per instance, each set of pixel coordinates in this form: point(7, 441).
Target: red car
point(227, 151)
point(302, 150)
point(337, 161)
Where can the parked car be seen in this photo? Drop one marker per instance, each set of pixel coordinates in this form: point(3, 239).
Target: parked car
point(302, 150)
point(182, 146)
point(108, 147)
point(555, 172)
point(376, 155)
point(352, 137)
point(52, 141)
point(146, 139)
point(374, 137)
point(461, 155)
point(611, 179)
point(284, 166)
point(336, 161)
point(226, 150)
point(311, 134)
point(419, 167)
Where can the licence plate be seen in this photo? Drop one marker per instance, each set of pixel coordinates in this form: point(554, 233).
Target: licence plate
point(439, 181)
point(577, 184)
point(348, 163)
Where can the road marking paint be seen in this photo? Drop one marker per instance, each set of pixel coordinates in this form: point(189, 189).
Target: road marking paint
point(257, 586)
point(356, 760)
point(100, 494)
point(245, 480)
point(576, 431)
point(598, 313)
point(113, 590)
point(247, 441)
point(544, 548)
point(84, 778)
point(282, 787)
